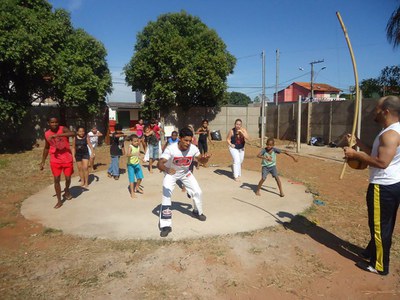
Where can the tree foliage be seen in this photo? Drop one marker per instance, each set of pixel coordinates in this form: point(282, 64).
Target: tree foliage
point(393, 28)
point(179, 61)
point(388, 82)
point(236, 98)
point(41, 56)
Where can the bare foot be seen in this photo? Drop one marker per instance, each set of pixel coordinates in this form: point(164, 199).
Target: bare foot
point(58, 205)
point(258, 193)
point(86, 187)
point(139, 191)
point(282, 195)
point(237, 179)
point(133, 196)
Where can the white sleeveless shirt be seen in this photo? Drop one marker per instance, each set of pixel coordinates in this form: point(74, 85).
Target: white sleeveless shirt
point(391, 174)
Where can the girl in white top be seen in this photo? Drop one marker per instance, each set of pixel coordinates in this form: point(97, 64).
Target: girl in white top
point(93, 135)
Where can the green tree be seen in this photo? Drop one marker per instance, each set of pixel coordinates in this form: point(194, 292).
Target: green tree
point(237, 98)
point(393, 28)
point(257, 99)
point(390, 76)
point(41, 56)
point(371, 88)
point(81, 76)
point(179, 61)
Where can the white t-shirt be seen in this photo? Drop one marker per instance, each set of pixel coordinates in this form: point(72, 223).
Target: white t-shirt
point(178, 159)
point(391, 174)
point(94, 139)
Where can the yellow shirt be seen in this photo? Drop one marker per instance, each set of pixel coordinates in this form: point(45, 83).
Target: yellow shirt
point(134, 159)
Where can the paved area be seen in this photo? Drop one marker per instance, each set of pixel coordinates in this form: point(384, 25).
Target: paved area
point(108, 211)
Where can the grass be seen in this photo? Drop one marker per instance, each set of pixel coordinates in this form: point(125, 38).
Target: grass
point(51, 231)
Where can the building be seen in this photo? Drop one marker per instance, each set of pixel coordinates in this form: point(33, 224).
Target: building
point(125, 113)
point(322, 92)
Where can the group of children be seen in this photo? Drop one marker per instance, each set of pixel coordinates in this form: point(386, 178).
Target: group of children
point(176, 161)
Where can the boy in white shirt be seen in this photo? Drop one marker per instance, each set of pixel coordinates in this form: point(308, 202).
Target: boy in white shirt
point(175, 163)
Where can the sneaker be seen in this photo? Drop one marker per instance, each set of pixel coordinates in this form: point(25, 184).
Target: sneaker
point(165, 231)
point(116, 177)
point(366, 267)
point(196, 215)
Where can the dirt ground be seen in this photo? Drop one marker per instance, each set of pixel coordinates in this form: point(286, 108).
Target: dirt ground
point(311, 257)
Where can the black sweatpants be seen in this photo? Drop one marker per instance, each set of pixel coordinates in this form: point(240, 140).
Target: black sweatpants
point(383, 203)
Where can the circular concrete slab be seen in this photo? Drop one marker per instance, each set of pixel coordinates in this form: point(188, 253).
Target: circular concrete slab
point(108, 211)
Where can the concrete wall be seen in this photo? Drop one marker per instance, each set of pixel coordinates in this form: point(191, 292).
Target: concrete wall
point(222, 119)
point(329, 120)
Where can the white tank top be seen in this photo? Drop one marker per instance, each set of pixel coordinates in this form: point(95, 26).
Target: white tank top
point(391, 174)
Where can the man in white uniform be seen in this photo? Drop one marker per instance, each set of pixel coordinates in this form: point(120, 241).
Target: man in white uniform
point(175, 163)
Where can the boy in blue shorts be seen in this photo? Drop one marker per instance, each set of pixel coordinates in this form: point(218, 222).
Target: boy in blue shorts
point(133, 166)
point(268, 156)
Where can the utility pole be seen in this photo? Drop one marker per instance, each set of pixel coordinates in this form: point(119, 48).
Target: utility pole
point(277, 77)
point(276, 95)
point(263, 101)
point(312, 76)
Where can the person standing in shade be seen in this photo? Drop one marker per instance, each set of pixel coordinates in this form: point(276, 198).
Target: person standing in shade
point(383, 194)
point(116, 151)
point(236, 140)
point(175, 163)
point(57, 144)
point(94, 135)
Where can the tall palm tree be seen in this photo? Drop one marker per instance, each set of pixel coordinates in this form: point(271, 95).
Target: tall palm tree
point(393, 28)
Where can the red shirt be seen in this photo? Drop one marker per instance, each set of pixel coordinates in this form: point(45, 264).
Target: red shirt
point(156, 130)
point(60, 152)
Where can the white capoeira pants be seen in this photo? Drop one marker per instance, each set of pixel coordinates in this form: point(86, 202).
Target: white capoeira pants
point(238, 157)
point(192, 188)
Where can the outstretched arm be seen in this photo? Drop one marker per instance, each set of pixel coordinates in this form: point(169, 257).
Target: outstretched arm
point(290, 155)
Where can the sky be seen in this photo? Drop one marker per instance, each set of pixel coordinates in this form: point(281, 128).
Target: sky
point(304, 31)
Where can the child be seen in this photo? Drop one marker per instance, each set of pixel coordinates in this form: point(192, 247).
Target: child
point(171, 140)
point(116, 150)
point(152, 145)
point(57, 144)
point(133, 165)
point(268, 156)
point(94, 135)
point(80, 151)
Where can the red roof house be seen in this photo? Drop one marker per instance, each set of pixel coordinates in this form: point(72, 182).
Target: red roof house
point(322, 92)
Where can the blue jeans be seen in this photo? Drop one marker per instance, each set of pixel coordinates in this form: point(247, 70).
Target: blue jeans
point(114, 166)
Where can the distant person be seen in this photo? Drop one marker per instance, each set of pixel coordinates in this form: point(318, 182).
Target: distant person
point(57, 144)
point(383, 194)
point(236, 140)
point(204, 133)
point(175, 162)
point(268, 156)
point(135, 173)
point(80, 151)
point(116, 151)
point(171, 140)
point(139, 133)
point(94, 135)
point(152, 146)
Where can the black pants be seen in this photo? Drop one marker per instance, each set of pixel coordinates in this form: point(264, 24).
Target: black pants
point(383, 203)
point(203, 147)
